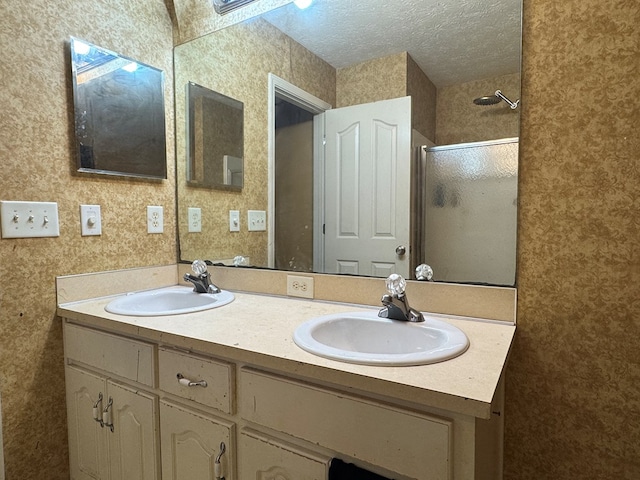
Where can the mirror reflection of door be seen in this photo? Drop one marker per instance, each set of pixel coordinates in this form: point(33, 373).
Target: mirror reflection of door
point(367, 194)
point(366, 212)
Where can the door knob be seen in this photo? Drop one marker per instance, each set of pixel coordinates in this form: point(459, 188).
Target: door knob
point(401, 250)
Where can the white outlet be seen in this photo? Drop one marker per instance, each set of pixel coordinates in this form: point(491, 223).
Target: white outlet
point(234, 220)
point(90, 220)
point(195, 219)
point(155, 219)
point(29, 219)
point(299, 286)
point(257, 220)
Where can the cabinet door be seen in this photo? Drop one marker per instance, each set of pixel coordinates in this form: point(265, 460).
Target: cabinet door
point(191, 442)
point(87, 440)
point(133, 444)
point(265, 458)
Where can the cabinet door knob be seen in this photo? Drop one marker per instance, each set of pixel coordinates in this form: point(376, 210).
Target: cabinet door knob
point(189, 383)
point(97, 410)
point(106, 415)
point(217, 466)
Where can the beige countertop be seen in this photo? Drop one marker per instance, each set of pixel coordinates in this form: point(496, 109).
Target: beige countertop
point(258, 330)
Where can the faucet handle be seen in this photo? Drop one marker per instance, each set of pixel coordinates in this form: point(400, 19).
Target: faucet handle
point(424, 272)
point(199, 267)
point(396, 284)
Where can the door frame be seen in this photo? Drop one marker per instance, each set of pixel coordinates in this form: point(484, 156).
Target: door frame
point(280, 88)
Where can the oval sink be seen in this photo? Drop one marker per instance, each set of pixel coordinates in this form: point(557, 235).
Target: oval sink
point(365, 338)
point(167, 301)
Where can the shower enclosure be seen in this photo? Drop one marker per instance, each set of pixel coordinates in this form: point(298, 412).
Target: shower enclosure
point(465, 211)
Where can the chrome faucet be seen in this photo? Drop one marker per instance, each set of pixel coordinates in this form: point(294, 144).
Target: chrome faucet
point(202, 278)
point(396, 306)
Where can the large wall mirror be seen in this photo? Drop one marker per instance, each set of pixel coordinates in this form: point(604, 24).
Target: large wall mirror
point(390, 127)
point(119, 113)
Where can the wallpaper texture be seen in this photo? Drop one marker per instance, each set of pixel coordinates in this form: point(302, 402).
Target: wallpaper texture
point(573, 382)
point(38, 156)
point(459, 120)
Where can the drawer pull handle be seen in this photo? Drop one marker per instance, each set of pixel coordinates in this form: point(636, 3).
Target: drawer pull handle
point(188, 383)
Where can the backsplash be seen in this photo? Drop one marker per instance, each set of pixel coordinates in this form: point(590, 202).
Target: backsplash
point(492, 303)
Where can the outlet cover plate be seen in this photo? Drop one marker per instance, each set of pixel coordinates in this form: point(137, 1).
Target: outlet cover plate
point(195, 219)
point(299, 286)
point(155, 219)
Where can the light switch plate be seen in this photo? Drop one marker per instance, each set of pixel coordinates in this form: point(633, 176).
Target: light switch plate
point(195, 219)
point(234, 220)
point(29, 219)
point(155, 219)
point(257, 220)
point(90, 220)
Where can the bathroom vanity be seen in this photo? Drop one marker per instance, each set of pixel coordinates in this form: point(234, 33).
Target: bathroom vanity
point(226, 393)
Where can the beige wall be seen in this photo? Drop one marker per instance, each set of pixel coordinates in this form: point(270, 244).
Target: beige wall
point(572, 382)
point(388, 77)
point(37, 153)
point(459, 120)
point(210, 64)
point(371, 81)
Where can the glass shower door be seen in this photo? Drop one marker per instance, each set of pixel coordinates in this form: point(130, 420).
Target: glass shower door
point(470, 211)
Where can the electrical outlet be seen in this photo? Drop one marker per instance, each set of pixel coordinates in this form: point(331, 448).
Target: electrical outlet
point(90, 220)
point(298, 286)
point(155, 219)
point(195, 219)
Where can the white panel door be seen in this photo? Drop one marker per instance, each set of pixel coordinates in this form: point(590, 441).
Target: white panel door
point(367, 178)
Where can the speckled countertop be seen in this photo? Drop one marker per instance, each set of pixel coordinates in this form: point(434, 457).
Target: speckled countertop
point(258, 330)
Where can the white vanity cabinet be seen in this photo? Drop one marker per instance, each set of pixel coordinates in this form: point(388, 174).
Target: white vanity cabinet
point(173, 410)
point(122, 427)
point(113, 426)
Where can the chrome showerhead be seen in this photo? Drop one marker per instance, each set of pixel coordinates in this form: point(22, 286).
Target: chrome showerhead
point(488, 100)
point(495, 99)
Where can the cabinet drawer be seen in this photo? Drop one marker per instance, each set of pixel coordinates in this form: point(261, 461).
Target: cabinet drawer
point(407, 442)
point(130, 359)
point(217, 375)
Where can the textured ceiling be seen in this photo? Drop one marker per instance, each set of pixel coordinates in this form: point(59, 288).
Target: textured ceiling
point(453, 41)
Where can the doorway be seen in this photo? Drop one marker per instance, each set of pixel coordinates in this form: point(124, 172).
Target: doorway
point(292, 220)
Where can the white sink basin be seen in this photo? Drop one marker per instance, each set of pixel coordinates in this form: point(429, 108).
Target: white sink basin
point(167, 301)
point(365, 338)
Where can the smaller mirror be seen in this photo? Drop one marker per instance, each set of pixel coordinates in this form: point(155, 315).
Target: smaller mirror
point(215, 139)
point(119, 113)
